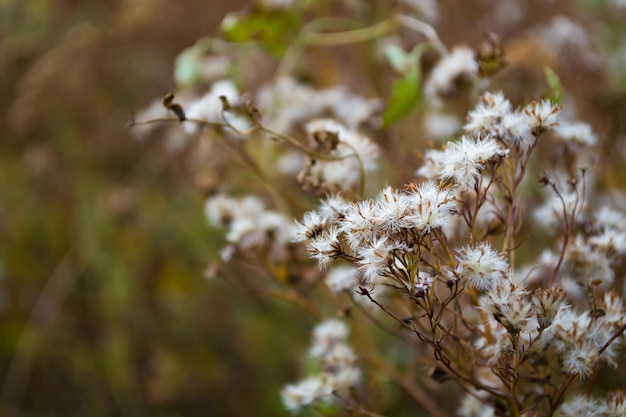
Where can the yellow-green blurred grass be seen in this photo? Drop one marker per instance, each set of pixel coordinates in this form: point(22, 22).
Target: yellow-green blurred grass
point(114, 229)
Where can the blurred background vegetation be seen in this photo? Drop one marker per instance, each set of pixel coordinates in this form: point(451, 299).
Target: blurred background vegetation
point(103, 239)
point(104, 305)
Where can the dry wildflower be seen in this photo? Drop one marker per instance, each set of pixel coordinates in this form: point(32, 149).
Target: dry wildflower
point(439, 257)
point(485, 118)
point(482, 266)
point(581, 406)
point(327, 335)
point(543, 115)
point(463, 160)
point(339, 371)
point(576, 132)
point(459, 64)
point(353, 151)
point(304, 393)
point(325, 247)
point(342, 278)
point(547, 303)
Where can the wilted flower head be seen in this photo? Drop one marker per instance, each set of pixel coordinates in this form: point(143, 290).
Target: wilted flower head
point(582, 406)
point(328, 334)
point(463, 160)
point(342, 278)
point(431, 206)
point(460, 63)
point(576, 132)
point(304, 393)
point(353, 150)
point(210, 106)
point(487, 115)
point(543, 115)
point(482, 266)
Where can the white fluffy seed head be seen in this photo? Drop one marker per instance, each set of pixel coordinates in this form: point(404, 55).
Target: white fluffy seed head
point(464, 159)
point(482, 266)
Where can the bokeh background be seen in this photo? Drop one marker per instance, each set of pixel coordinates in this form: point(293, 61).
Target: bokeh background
point(105, 307)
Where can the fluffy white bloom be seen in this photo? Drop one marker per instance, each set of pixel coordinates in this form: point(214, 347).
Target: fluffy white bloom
point(334, 207)
point(459, 63)
point(491, 349)
point(350, 141)
point(339, 355)
point(431, 206)
point(209, 107)
point(325, 247)
point(613, 307)
point(361, 223)
point(547, 304)
point(474, 407)
point(433, 160)
point(550, 214)
point(543, 115)
point(610, 241)
point(342, 278)
point(581, 406)
point(576, 132)
point(464, 159)
point(312, 225)
point(493, 116)
point(616, 404)
point(423, 282)
point(338, 373)
point(487, 115)
point(393, 210)
point(509, 306)
point(605, 217)
point(568, 327)
point(344, 377)
point(580, 359)
point(516, 129)
point(304, 393)
point(290, 163)
point(287, 102)
point(561, 32)
point(482, 266)
point(249, 225)
point(341, 174)
point(351, 109)
point(578, 338)
point(220, 210)
point(327, 335)
point(586, 262)
point(375, 258)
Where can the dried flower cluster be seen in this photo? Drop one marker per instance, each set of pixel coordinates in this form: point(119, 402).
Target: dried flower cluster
point(338, 370)
point(445, 264)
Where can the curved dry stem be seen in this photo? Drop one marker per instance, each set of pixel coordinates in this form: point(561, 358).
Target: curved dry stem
point(425, 29)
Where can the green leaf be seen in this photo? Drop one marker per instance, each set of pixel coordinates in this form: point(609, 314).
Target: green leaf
point(398, 58)
point(404, 96)
point(273, 29)
point(406, 91)
point(556, 88)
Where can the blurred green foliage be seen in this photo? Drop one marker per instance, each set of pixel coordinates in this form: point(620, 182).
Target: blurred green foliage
point(406, 90)
point(104, 308)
